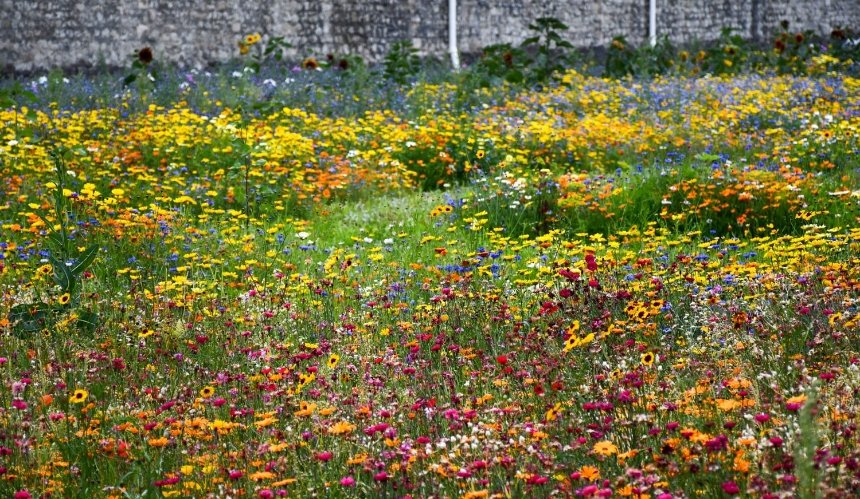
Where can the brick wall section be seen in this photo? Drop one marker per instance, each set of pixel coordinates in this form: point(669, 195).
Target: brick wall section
point(45, 33)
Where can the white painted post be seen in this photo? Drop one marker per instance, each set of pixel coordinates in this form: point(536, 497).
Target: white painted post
point(452, 34)
point(652, 22)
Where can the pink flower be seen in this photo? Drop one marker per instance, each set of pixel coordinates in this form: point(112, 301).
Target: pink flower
point(235, 474)
point(381, 476)
point(762, 417)
point(22, 494)
point(324, 456)
point(587, 491)
point(731, 487)
point(347, 481)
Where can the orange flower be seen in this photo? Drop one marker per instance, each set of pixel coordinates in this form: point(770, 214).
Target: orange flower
point(158, 442)
point(342, 428)
point(590, 473)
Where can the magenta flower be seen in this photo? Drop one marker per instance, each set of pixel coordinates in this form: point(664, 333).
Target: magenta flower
point(731, 487)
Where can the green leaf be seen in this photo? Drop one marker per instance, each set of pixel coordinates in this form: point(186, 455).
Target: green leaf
point(514, 76)
point(707, 158)
point(62, 275)
point(84, 260)
point(129, 79)
point(30, 317)
point(87, 321)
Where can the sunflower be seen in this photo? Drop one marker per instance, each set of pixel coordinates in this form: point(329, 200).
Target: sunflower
point(252, 39)
point(144, 55)
point(310, 63)
point(333, 360)
point(79, 396)
point(207, 391)
point(480, 154)
point(45, 269)
point(647, 358)
point(146, 333)
point(64, 299)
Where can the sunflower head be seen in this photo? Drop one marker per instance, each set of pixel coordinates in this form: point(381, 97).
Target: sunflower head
point(310, 63)
point(144, 55)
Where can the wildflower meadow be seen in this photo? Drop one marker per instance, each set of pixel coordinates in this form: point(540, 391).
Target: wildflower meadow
point(325, 281)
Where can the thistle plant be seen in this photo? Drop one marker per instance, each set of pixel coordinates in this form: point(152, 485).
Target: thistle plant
point(552, 50)
point(66, 266)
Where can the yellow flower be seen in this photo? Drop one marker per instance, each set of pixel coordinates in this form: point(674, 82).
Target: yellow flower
point(64, 299)
point(252, 39)
point(79, 396)
point(333, 360)
point(605, 448)
point(647, 358)
point(575, 341)
point(207, 391)
point(552, 414)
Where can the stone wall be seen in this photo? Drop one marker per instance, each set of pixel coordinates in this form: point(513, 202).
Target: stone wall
point(45, 33)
